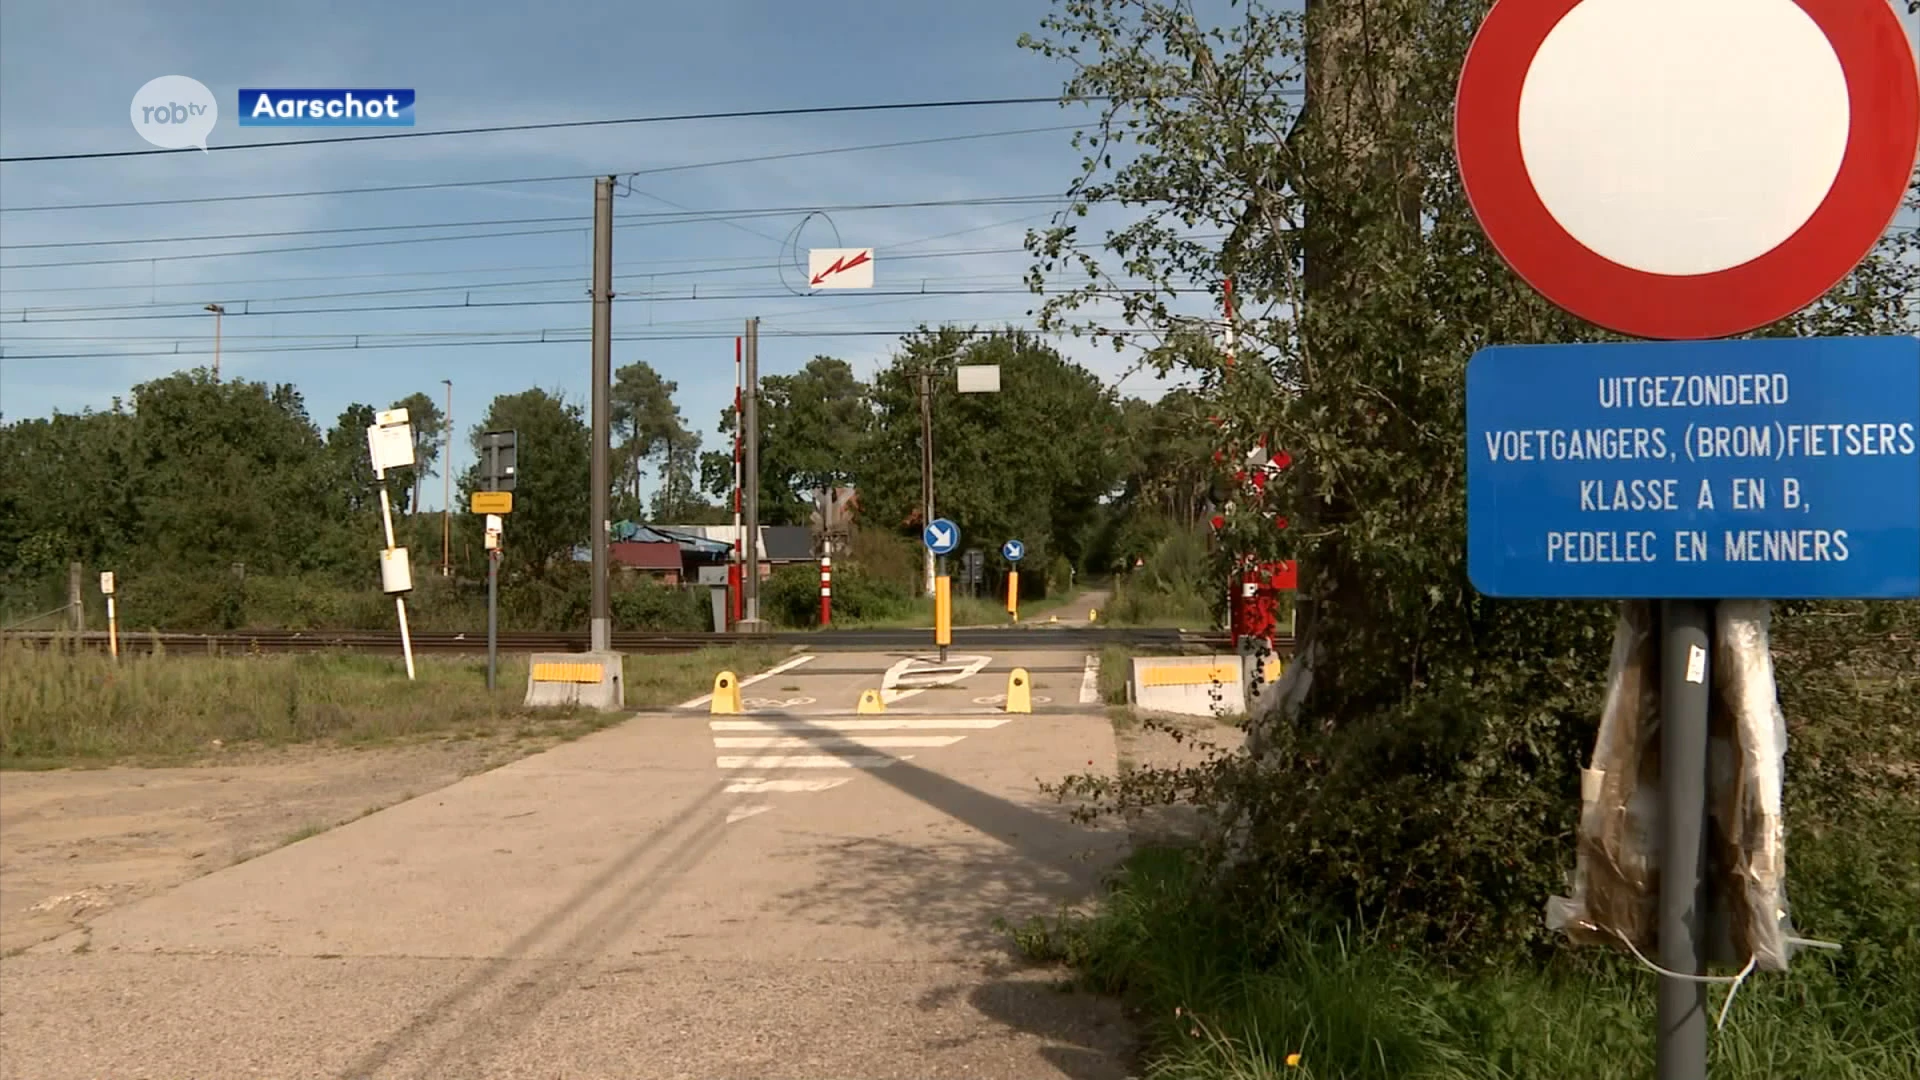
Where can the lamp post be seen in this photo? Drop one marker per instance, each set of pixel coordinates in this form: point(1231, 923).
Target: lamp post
point(446, 476)
point(218, 310)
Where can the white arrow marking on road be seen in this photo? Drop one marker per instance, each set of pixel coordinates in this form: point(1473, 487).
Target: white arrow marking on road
point(758, 785)
point(955, 669)
point(742, 812)
point(801, 742)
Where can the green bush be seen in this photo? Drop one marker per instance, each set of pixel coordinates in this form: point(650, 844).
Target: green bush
point(791, 596)
point(648, 605)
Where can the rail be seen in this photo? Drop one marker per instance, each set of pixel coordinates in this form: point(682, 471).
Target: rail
point(246, 642)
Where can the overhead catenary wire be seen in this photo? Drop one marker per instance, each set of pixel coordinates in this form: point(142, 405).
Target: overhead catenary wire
point(657, 170)
point(27, 313)
point(632, 298)
point(636, 220)
point(719, 264)
point(574, 336)
point(559, 125)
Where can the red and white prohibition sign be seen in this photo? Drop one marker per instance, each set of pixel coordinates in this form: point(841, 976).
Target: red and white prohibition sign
point(1686, 169)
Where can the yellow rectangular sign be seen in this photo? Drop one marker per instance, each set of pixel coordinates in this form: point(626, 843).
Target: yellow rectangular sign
point(573, 673)
point(493, 502)
point(1188, 675)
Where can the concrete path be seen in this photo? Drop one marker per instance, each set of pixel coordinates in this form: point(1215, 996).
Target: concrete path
point(622, 906)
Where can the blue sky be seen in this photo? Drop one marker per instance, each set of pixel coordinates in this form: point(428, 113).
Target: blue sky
point(69, 69)
point(67, 73)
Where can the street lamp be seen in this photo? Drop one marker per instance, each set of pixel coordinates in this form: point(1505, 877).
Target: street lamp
point(446, 475)
point(218, 311)
point(969, 379)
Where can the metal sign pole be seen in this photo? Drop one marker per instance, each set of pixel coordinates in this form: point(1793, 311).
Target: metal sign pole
point(493, 616)
point(1685, 696)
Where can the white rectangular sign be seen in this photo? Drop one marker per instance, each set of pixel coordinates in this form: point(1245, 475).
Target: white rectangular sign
point(840, 268)
point(390, 441)
point(978, 378)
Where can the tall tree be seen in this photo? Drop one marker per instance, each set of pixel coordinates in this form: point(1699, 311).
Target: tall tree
point(1365, 285)
point(230, 472)
point(1030, 462)
point(813, 430)
point(429, 426)
point(552, 496)
point(644, 416)
point(678, 494)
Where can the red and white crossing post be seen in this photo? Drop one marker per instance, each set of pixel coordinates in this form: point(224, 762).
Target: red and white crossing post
point(826, 589)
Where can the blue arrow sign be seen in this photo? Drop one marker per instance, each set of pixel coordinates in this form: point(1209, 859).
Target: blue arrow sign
point(941, 536)
point(1013, 550)
point(1775, 468)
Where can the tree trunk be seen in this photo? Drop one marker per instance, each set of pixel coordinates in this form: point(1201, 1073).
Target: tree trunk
point(1355, 50)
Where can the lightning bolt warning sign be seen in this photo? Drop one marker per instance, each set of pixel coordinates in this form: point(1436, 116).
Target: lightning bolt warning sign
point(840, 268)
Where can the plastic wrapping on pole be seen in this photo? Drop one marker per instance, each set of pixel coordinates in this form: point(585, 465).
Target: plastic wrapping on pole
point(113, 630)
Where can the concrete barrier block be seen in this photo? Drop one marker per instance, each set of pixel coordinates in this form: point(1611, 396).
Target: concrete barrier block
point(594, 680)
point(1189, 685)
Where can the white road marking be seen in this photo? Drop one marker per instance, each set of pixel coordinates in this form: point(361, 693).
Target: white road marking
point(800, 742)
point(828, 724)
point(804, 761)
point(739, 813)
point(1090, 682)
point(757, 785)
point(786, 665)
point(1001, 699)
point(927, 674)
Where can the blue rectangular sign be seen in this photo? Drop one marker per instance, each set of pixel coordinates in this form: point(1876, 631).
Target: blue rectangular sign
point(326, 108)
point(1777, 468)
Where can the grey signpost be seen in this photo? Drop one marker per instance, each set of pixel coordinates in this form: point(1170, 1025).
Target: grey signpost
point(499, 468)
point(1691, 468)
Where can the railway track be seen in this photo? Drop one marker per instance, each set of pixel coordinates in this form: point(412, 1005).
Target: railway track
point(250, 642)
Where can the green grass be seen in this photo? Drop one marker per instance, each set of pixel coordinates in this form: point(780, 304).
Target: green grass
point(1220, 1001)
point(59, 708)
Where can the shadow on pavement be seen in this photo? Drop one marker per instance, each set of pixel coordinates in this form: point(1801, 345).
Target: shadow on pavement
point(541, 981)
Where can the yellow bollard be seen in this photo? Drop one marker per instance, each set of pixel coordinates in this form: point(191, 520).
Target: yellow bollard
point(726, 694)
point(943, 611)
point(1013, 594)
point(1019, 691)
point(870, 702)
point(1093, 615)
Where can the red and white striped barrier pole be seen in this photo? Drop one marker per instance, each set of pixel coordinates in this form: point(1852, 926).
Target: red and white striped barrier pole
point(826, 590)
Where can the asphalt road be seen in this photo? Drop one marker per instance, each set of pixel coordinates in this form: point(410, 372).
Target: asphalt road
point(791, 892)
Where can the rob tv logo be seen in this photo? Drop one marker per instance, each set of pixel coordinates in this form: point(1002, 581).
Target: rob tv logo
point(326, 108)
point(175, 112)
